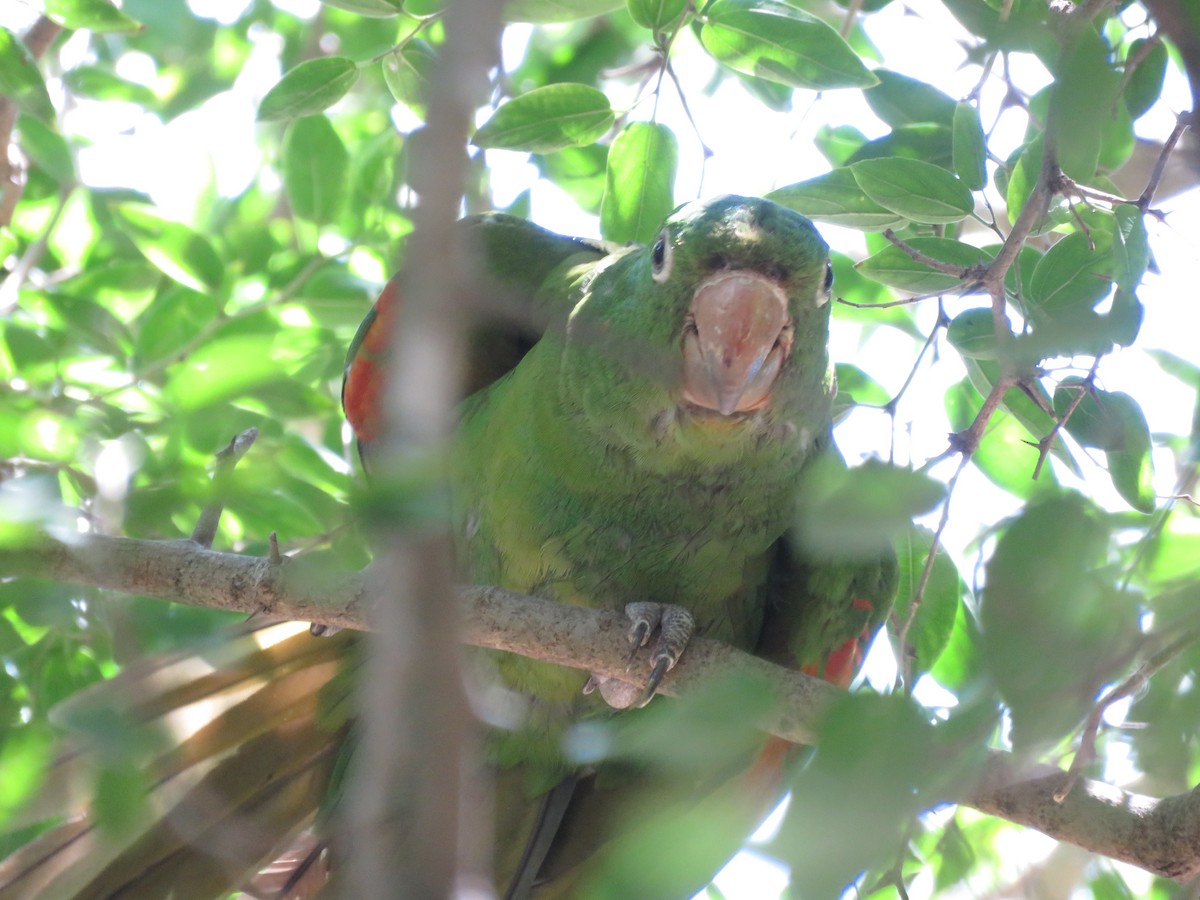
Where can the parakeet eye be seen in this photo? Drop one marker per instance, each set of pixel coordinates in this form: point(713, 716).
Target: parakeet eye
point(661, 257)
point(823, 297)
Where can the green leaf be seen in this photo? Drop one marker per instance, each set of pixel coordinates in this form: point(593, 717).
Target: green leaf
point(970, 147)
point(1130, 464)
point(1071, 275)
point(916, 190)
point(850, 513)
point(46, 148)
point(836, 198)
point(1092, 423)
point(1082, 102)
point(857, 387)
point(639, 187)
point(20, 80)
point(657, 15)
point(960, 664)
point(379, 9)
point(900, 100)
point(771, 40)
point(1054, 628)
point(894, 267)
point(176, 250)
point(423, 9)
point(1112, 422)
point(315, 163)
point(925, 141)
point(877, 765)
point(1023, 176)
point(408, 71)
point(1144, 84)
point(1006, 455)
point(556, 10)
point(172, 319)
point(309, 88)
point(222, 370)
point(1131, 246)
point(934, 622)
point(547, 119)
point(973, 333)
point(1124, 319)
point(94, 15)
point(838, 143)
point(103, 84)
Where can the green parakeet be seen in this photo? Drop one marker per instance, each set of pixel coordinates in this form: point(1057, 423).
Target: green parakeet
point(639, 424)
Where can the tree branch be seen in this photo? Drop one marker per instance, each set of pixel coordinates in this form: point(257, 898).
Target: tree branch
point(1159, 835)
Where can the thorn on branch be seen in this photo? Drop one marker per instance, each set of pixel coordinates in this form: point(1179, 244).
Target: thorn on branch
point(227, 460)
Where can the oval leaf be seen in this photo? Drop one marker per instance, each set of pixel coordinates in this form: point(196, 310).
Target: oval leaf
point(935, 617)
point(900, 100)
point(1047, 614)
point(1144, 84)
point(47, 149)
point(1091, 422)
point(657, 15)
point(556, 10)
point(94, 15)
point(894, 267)
point(916, 190)
point(20, 80)
point(100, 83)
point(1071, 275)
point(837, 199)
point(408, 71)
point(1082, 103)
point(969, 147)
point(547, 119)
point(973, 333)
point(176, 250)
point(1131, 246)
point(379, 9)
point(309, 88)
point(780, 43)
point(639, 187)
point(314, 168)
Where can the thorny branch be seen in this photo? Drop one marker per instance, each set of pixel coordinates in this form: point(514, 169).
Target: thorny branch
point(1160, 835)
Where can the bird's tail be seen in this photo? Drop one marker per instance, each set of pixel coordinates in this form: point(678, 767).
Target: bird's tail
point(233, 745)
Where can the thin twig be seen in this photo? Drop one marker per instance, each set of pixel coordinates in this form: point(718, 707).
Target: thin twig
point(960, 272)
point(926, 573)
point(10, 288)
point(942, 322)
point(1046, 443)
point(1160, 166)
point(967, 441)
point(1130, 686)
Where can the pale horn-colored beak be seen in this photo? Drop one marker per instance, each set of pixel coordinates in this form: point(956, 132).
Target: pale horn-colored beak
point(737, 335)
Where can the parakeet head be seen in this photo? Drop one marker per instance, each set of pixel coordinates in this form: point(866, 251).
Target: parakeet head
point(719, 326)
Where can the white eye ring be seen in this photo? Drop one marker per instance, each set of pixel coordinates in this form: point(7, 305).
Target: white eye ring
point(662, 257)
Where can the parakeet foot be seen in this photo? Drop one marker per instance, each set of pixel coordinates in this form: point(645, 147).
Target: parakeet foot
point(675, 625)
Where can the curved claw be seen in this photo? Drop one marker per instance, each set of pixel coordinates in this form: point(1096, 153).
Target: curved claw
point(639, 635)
point(662, 666)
